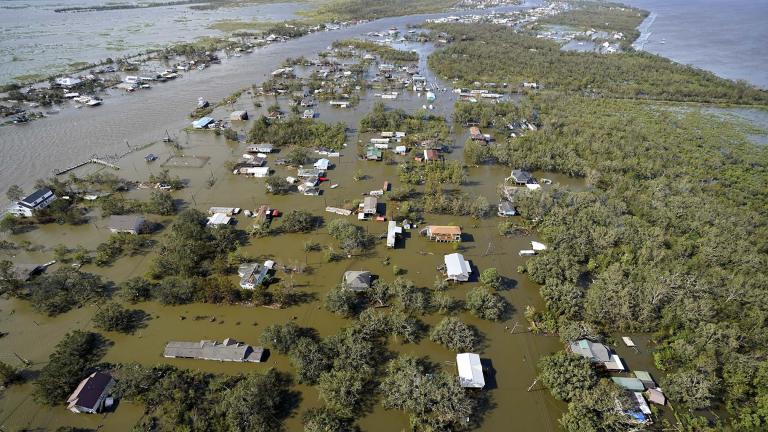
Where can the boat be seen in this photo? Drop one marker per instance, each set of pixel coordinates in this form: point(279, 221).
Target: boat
point(430, 96)
point(334, 186)
point(202, 103)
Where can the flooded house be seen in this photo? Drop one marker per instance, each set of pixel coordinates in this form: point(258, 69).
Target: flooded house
point(227, 350)
point(392, 231)
point(91, 394)
point(38, 199)
point(521, 178)
point(431, 155)
point(373, 153)
point(597, 353)
point(475, 134)
point(253, 171)
point(470, 370)
point(370, 206)
point(322, 164)
point(443, 233)
point(219, 219)
point(202, 122)
point(261, 148)
point(131, 224)
point(356, 280)
point(238, 115)
point(457, 268)
point(506, 209)
point(254, 274)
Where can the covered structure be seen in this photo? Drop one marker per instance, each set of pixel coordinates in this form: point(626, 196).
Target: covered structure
point(356, 280)
point(392, 231)
point(131, 224)
point(470, 370)
point(227, 350)
point(457, 268)
point(238, 115)
point(219, 219)
point(202, 122)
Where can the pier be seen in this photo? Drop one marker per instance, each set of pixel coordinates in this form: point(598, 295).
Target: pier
point(89, 161)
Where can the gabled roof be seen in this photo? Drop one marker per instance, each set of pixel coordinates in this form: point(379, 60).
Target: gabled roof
point(30, 199)
point(89, 390)
point(592, 350)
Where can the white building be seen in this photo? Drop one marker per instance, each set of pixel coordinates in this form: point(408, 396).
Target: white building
point(457, 268)
point(392, 231)
point(322, 164)
point(41, 198)
point(219, 219)
point(470, 370)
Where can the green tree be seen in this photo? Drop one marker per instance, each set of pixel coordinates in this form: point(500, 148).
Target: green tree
point(491, 278)
point(300, 221)
point(9, 374)
point(114, 317)
point(485, 304)
point(342, 301)
point(269, 392)
point(324, 420)
point(71, 360)
point(434, 400)
point(14, 193)
point(310, 359)
point(136, 289)
point(277, 185)
point(282, 337)
point(161, 203)
point(455, 335)
point(566, 375)
point(344, 390)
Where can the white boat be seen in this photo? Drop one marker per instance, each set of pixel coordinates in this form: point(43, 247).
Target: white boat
point(334, 186)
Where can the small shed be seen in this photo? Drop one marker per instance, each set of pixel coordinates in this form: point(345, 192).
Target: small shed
point(131, 224)
point(457, 268)
point(373, 153)
point(470, 370)
point(238, 115)
point(356, 280)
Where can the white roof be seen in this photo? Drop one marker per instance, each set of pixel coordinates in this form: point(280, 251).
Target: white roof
point(219, 219)
point(538, 246)
point(322, 164)
point(457, 267)
point(470, 370)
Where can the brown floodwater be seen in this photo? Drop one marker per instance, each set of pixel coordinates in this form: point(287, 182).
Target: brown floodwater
point(513, 355)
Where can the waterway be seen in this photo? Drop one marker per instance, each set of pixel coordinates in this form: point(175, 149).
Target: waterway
point(729, 38)
point(34, 39)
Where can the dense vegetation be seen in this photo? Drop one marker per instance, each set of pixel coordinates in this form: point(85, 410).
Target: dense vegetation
point(637, 75)
point(418, 127)
point(347, 10)
point(385, 52)
point(296, 131)
point(73, 359)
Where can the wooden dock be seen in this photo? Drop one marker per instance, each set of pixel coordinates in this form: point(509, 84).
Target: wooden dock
point(89, 161)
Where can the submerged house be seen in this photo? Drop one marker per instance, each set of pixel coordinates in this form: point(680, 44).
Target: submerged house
point(597, 353)
point(131, 224)
point(506, 209)
point(322, 164)
point(219, 219)
point(202, 122)
point(470, 370)
point(443, 233)
point(457, 268)
point(238, 115)
point(91, 393)
point(254, 274)
point(521, 178)
point(373, 153)
point(356, 280)
point(38, 199)
point(227, 350)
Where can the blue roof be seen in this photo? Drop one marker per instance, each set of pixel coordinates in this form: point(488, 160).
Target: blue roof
point(202, 122)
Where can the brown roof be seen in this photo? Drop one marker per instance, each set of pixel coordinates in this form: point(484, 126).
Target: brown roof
point(445, 229)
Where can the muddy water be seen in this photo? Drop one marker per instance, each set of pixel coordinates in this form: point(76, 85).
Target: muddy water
point(33, 151)
point(512, 355)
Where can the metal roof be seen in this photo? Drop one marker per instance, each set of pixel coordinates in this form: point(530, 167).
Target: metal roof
point(470, 370)
point(228, 350)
